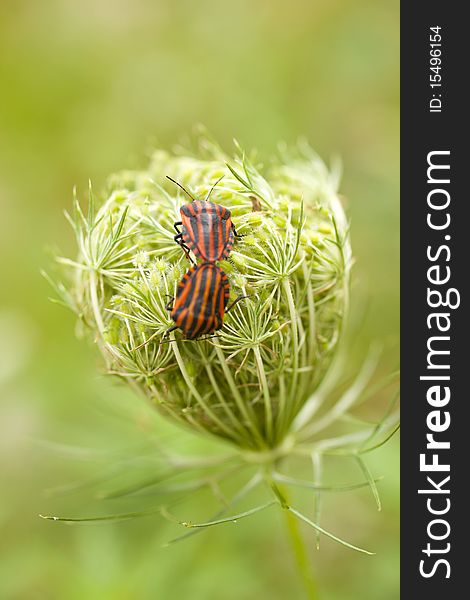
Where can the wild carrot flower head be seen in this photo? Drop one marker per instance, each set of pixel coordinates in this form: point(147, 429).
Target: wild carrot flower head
point(249, 381)
point(263, 381)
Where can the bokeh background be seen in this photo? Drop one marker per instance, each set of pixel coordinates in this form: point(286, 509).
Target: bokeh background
point(88, 88)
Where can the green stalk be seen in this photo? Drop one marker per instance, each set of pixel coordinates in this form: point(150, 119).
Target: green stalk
point(298, 547)
point(266, 395)
point(243, 408)
point(295, 343)
point(301, 556)
point(95, 304)
point(237, 425)
point(210, 413)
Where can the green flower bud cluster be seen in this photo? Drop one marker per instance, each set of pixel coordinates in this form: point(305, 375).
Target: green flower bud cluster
point(248, 382)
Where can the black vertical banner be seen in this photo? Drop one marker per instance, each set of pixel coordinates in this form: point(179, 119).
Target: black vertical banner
point(435, 254)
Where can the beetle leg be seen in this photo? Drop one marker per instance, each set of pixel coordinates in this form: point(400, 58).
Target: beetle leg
point(168, 305)
point(146, 342)
point(169, 330)
point(179, 240)
point(235, 302)
point(238, 235)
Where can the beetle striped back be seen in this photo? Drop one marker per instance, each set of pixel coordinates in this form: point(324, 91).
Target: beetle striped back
point(207, 230)
point(200, 302)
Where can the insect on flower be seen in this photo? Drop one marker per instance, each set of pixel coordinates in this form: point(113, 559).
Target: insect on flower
point(201, 301)
point(206, 228)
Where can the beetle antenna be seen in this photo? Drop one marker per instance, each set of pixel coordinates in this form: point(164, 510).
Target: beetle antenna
point(183, 188)
point(210, 191)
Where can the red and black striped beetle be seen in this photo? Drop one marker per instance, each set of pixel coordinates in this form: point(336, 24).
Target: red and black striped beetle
point(201, 300)
point(206, 228)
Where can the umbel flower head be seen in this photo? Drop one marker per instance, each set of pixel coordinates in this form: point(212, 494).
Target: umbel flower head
point(264, 381)
point(248, 382)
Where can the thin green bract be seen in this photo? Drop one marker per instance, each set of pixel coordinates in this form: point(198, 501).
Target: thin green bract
point(264, 382)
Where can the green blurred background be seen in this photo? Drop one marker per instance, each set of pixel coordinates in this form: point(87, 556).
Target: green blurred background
point(87, 88)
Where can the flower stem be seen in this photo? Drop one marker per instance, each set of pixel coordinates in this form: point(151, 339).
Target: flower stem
point(295, 342)
point(93, 287)
point(266, 395)
point(205, 407)
point(301, 556)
